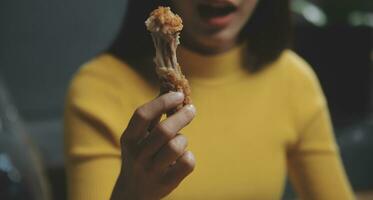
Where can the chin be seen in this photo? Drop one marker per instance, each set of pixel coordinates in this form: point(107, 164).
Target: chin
point(221, 41)
point(210, 42)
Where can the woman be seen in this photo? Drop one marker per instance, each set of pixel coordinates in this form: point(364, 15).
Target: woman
point(261, 113)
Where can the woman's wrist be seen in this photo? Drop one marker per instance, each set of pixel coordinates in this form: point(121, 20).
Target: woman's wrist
point(124, 191)
point(120, 190)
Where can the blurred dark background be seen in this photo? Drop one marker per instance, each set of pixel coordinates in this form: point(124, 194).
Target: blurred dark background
point(42, 43)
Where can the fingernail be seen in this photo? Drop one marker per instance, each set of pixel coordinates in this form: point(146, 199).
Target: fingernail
point(178, 95)
point(192, 108)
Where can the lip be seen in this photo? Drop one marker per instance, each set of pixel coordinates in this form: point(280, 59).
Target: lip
point(221, 22)
point(213, 19)
point(220, 2)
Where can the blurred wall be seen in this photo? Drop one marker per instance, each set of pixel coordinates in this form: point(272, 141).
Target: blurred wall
point(42, 43)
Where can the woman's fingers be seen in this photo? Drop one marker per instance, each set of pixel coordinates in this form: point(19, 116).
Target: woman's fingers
point(182, 168)
point(169, 153)
point(166, 130)
point(146, 114)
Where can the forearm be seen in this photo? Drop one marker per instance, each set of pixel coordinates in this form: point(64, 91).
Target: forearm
point(320, 176)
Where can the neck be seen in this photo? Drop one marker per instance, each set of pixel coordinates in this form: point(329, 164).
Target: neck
point(223, 66)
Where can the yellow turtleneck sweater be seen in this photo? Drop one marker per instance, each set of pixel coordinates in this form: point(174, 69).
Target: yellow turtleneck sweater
point(250, 132)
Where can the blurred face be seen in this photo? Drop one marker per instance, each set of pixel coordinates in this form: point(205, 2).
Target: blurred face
point(213, 26)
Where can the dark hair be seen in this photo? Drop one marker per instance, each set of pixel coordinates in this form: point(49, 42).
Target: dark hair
point(268, 32)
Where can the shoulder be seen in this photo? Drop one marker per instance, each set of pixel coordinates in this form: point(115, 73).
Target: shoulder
point(291, 69)
point(297, 68)
point(107, 70)
point(107, 74)
point(101, 95)
point(299, 74)
point(306, 95)
point(105, 83)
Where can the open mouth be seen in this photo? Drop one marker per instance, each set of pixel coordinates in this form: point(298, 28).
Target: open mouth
point(218, 9)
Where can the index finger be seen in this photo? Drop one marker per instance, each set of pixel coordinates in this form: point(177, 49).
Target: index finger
point(147, 113)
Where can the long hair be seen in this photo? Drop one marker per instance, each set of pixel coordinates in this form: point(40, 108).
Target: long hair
point(268, 32)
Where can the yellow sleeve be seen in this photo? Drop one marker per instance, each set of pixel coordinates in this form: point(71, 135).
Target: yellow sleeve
point(93, 125)
point(315, 167)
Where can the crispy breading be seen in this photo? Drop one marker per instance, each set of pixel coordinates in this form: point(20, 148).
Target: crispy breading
point(165, 27)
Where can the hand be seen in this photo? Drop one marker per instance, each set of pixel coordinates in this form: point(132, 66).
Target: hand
point(154, 156)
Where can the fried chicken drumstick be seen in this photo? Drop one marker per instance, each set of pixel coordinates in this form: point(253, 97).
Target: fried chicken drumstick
point(165, 28)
